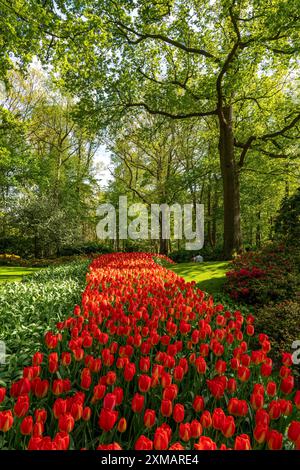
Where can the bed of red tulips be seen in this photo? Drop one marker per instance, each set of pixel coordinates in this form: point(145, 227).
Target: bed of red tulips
point(146, 362)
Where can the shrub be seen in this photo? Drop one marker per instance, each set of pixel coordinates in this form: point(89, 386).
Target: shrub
point(84, 249)
point(287, 224)
point(268, 275)
point(6, 259)
point(181, 256)
point(36, 303)
point(282, 323)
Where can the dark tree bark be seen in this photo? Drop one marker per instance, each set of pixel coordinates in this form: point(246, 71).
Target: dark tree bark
point(163, 242)
point(258, 231)
point(231, 185)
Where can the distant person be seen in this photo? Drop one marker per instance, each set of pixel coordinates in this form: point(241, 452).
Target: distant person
point(198, 259)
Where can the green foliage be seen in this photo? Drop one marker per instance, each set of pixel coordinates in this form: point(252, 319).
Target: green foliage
point(287, 225)
point(268, 275)
point(282, 323)
point(28, 307)
point(14, 273)
point(181, 256)
point(84, 249)
point(48, 188)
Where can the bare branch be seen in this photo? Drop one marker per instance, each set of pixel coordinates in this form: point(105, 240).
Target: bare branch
point(161, 37)
point(170, 115)
point(282, 131)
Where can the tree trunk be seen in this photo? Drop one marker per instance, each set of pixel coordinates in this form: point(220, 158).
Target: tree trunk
point(231, 187)
point(258, 232)
point(163, 242)
point(215, 211)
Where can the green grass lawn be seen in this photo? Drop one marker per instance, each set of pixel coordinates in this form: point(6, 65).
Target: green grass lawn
point(13, 273)
point(209, 275)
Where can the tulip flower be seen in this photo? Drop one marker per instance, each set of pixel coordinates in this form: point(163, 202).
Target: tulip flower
point(107, 419)
point(143, 443)
point(149, 418)
point(6, 420)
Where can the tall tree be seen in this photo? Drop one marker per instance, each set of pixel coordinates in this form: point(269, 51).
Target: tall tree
point(185, 59)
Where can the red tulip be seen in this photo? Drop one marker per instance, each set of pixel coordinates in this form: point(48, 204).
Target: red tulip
point(22, 406)
point(41, 388)
point(286, 407)
point(287, 385)
point(122, 425)
point(220, 366)
point(231, 385)
point(86, 413)
point(242, 442)
point(218, 418)
point(284, 372)
point(59, 407)
point(271, 389)
point(274, 440)
point(143, 443)
point(200, 365)
point(205, 443)
point(86, 379)
point(66, 359)
point(178, 413)
point(66, 423)
point(149, 418)
point(57, 387)
point(170, 392)
point(40, 415)
point(176, 446)
point(26, 426)
point(243, 373)
point(274, 410)
point(206, 420)
point(185, 431)
point(37, 359)
point(109, 401)
point(294, 431)
point(198, 403)
point(2, 394)
point(107, 419)
point(137, 403)
point(161, 439)
point(129, 372)
point(196, 429)
point(144, 364)
point(266, 370)
point(76, 411)
point(178, 373)
point(53, 362)
point(144, 383)
point(166, 380)
point(262, 417)
point(78, 354)
point(260, 433)
point(228, 427)
point(166, 408)
point(62, 440)
point(34, 443)
point(257, 401)
point(99, 392)
point(6, 420)
point(287, 359)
